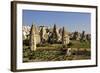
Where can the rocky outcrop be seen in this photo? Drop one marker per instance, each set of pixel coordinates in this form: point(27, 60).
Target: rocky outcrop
point(32, 40)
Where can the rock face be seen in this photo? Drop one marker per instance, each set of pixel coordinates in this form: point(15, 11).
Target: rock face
point(32, 38)
point(65, 37)
point(42, 34)
point(25, 32)
point(80, 36)
point(69, 52)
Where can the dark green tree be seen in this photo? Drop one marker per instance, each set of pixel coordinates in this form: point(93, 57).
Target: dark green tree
point(41, 35)
point(54, 36)
point(88, 37)
point(83, 36)
point(75, 35)
point(63, 34)
point(31, 37)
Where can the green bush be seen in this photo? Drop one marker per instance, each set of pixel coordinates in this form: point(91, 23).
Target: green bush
point(70, 44)
point(26, 42)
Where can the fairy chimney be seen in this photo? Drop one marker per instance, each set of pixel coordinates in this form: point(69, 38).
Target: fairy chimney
point(65, 37)
point(32, 38)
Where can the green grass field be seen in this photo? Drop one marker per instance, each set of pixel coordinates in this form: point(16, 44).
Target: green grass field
point(80, 44)
point(54, 52)
point(54, 55)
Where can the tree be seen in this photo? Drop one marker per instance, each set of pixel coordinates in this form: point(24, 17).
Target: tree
point(41, 35)
point(75, 35)
point(83, 36)
point(63, 34)
point(54, 36)
point(88, 37)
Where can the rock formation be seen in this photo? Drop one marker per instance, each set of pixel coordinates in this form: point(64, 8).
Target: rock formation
point(65, 37)
point(32, 38)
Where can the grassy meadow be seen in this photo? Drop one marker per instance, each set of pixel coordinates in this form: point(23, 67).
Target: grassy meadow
point(56, 52)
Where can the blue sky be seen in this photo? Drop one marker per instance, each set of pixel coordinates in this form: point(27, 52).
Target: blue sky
point(72, 21)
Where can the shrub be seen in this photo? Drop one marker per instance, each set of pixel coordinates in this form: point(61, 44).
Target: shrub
point(70, 44)
point(26, 42)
